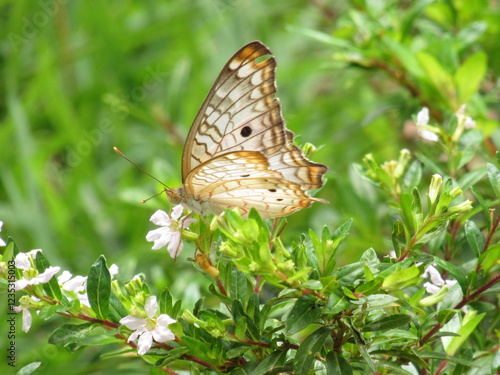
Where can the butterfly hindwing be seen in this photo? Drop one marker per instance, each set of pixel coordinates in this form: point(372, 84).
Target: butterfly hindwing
point(243, 179)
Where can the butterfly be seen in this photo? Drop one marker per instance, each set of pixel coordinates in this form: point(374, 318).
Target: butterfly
point(239, 152)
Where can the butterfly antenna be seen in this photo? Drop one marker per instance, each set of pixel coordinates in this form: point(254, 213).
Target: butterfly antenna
point(142, 170)
point(154, 196)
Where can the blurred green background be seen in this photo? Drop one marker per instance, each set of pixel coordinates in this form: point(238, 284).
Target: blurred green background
point(79, 77)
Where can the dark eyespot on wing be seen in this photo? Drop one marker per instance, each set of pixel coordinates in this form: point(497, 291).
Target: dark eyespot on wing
point(279, 199)
point(245, 175)
point(272, 190)
point(246, 131)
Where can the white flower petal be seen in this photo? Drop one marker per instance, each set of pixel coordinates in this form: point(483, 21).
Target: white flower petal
point(1, 225)
point(145, 342)
point(21, 284)
point(469, 123)
point(160, 218)
point(450, 283)
point(428, 135)
point(187, 222)
point(164, 320)
point(163, 334)
point(113, 270)
point(161, 237)
point(2, 242)
point(64, 277)
point(151, 307)
point(27, 319)
point(22, 261)
point(136, 334)
point(434, 276)
point(423, 116)
point(177, 212)
point(431, 288)
point(46, 275)
point(84, 299)
point(175, 246)
point(133, 322)
point(33, 253)
point(76, 284)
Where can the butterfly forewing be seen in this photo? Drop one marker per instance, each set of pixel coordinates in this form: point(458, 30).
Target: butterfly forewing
point(240, 111)
point(239, 152)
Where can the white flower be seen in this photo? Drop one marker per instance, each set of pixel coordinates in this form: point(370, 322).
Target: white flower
point(149, 328)
point(30, 275)
point(423, 117)
point(436, 281)
point(467, 122)
point(170, 232)
point(27, 318)
point(113, 270)
point(2, 242)
point(76, 284)
point(423, 129)
point(22, 260)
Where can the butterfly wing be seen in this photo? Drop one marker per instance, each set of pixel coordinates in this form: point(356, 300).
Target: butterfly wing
point(242, 113)
point(243, 179)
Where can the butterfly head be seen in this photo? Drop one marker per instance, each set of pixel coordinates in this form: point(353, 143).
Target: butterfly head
point(175, 196)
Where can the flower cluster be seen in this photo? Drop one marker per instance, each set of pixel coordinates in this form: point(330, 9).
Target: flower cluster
point(434, 134)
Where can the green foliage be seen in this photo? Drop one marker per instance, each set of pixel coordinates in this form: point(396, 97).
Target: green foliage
point(316, 292)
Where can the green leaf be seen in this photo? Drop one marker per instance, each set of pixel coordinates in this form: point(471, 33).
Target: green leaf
point(490, 257)
point(238, 285)
point(484, 206)
point(52, 286)
point(388, 322)
point(407, 213)
point(401, 279)
point(469, 76)
point(398, 234)
point(199, 349)
point(238, 311)
point(457, 272)
point(304, 312)
point(474, 237)
point(441, 81)
point(412, 176)
point(430, 164)
point(29, 369)
point(336, 364)
point(404, 55)
point(165, 302)
point(241, 327)
point(494, 176)
point(116, 309)
point(71, 335)
point(309, 348)
point(444, 357)
point(274, 360)
point(370, 287)
point(471, 178)
point(99, 287)
point(469, 324)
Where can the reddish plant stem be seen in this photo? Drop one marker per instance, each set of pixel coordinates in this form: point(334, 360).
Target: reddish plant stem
point(465, 300)
point(441, 367)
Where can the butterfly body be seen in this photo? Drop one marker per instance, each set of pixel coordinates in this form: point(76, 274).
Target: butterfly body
point(239, 153)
